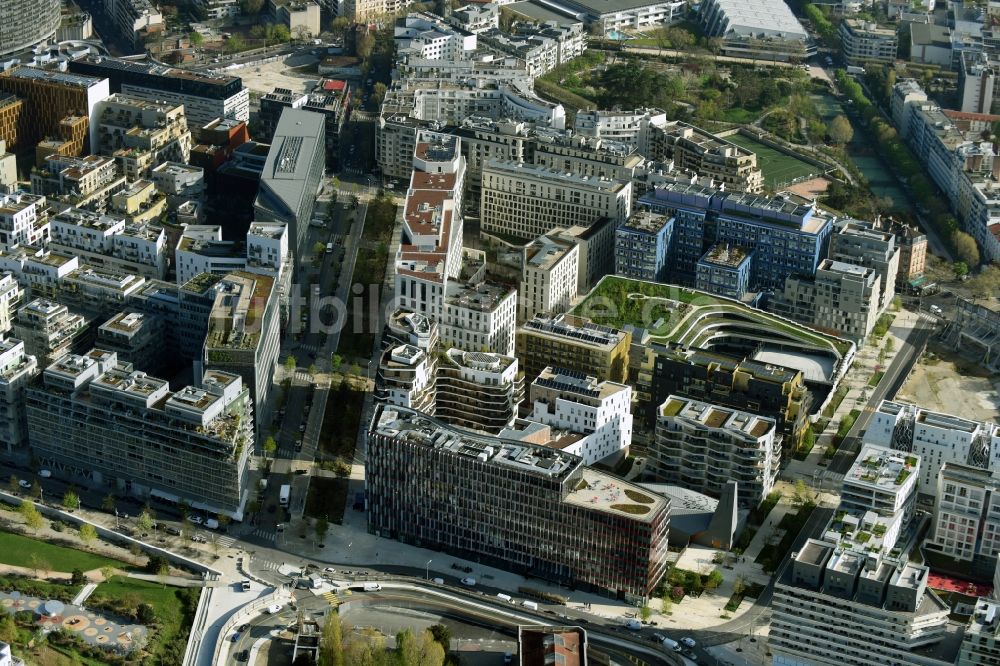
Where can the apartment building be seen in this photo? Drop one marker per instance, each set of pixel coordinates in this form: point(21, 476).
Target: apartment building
point(604, 159)
point(109, 243)
point(864, 42)
point(526, 201)
point(549, 274)
point(642, 246)
point(853, 595)
point(140, 135)
point(244, 334)
point(966, 514)
point(37, 269)
point(180, 182)
point(630, 126)
point(205, 97)
point(597, 250)
point(832, 606)
point(479, 316)
point(219, 9)
point(766, 29)
point(86, 182)
point(136, 338)
point(139, 203)
point(575, 344)
point(842, 299)
point(409, 328)
point(427, 37)
point(17, 370)
point(50, 96)
point(133, 20)
point(435, 486)
point(23, 220)
point(602, 18)
point(100, 421)
point(95, 293)
point(938, 439)
point(693, 149)
point(787, 234)
point(724, 270)
point(26, 23)
point(476, 18)
point(295, 165)
point(980, 642)
point(406, 377)
point(874, 246)
point(49, 330)
point(330, 97)
point(11, 295)
point(977, 82)
point(477, 390)
point(703, 446)
point(727, 380)
point(595, 414)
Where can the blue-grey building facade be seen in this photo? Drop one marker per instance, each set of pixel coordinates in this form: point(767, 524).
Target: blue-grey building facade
point(785, 235)
point(642, 246)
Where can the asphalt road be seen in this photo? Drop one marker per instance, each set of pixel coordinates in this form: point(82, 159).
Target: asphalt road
point(887, 389)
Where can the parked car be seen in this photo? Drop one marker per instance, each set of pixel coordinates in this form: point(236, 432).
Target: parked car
point(688, 642)
point(469, 581)
point(196, 520)
point(44, 473)
point(274, 609)
point(243, 655)
point(24, 484)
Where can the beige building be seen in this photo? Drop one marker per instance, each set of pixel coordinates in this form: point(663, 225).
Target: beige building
point(698, 151)
point(573, 343)
point(549, 268)
point(865, 42)
point(141, 134)
point(526, 200)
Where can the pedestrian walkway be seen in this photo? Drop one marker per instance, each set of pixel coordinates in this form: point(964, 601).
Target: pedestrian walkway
point(225, 541)
point(763, 535)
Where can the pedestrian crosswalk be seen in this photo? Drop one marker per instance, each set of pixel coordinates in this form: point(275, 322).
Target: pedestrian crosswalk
point(266, 565)
point(331, 598)
point(225, 541)
point(268, 533)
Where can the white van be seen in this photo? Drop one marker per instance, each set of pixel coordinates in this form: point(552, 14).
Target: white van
point(671, 644)
point(633, 625)
point(505, 597)
point(936, 310)
point(212, 524)
point(530, 605)
point(372, 587)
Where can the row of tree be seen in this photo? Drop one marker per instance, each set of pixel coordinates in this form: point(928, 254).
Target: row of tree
point(367, 648)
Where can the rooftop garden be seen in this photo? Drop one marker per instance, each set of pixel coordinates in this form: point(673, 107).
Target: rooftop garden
point(634, 509)
point(636, 496)
point(675, 314)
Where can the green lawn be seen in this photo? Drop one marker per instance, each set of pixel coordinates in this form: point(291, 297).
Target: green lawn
point(174, 608)
point(778, 167)
point(17, 550)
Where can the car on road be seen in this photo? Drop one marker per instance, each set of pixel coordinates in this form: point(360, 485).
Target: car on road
point(242, 628)
point(330, 570)
point(196, 520)
point(45, 474)
point(243, 655)
point(236, 637)
point(688, 642)
point(658, 638)
point(173, 530)
point(24, 484)
point(274, 609)
point(633, 625)
point(469, 581)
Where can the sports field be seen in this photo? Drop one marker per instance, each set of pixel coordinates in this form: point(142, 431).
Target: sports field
point(779, 168)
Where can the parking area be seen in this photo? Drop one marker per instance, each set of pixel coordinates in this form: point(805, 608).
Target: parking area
point(279, 74)
point(944, 382)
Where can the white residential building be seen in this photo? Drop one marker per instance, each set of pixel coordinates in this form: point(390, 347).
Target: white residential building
point(180, 182)
point(477, 390)
point(17, 369)
point(479, 317)
point(406, 378)
point(427, 37)
point(202, 250)
point(883, 481)
point(938, 439)
point(49, 330)
point(597, 412)
point(23, 220)
point(11, 294)
point(703, 446)
point(549, 272)
point(110, 243)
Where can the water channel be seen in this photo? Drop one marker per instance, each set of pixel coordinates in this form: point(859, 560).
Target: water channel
point(863, 155)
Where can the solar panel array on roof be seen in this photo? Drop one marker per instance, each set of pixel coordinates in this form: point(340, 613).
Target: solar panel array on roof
point(575, 333)
point(557, 385)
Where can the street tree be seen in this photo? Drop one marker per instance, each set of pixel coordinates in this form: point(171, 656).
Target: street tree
point(966, 248)
point(70, 500)
point(645, 613)
point(290, 363)
point(331, 642)
point(32, 518)
point(336, 361)
point(960, 268)
point(108, 504)
point(88, 533)
point(270, 446)
point(195, 38)
point(144, 522)
point(313, 369)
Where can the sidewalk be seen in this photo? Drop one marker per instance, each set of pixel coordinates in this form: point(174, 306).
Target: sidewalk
point(856, 381)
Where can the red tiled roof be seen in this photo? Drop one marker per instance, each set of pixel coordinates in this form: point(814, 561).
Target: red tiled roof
point(334, 84)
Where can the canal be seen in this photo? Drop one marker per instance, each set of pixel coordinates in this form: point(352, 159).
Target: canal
point(861, 153)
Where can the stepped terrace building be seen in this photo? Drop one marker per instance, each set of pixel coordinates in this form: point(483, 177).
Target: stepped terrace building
point(99, 420)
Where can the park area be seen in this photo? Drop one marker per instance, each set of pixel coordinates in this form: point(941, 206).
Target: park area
point(779, 169)
point(124, 620)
